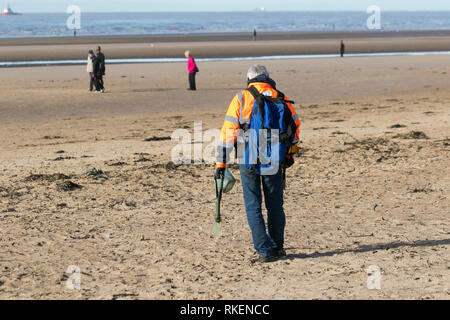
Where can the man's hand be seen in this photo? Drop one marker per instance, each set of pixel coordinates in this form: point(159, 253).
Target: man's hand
point(218, 174)
point(288, 162)
point(295, 149)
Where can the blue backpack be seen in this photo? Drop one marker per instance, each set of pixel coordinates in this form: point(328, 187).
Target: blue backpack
point(270, 135)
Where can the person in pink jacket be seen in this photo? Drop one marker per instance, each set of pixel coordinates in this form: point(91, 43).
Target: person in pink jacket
point(192, 70)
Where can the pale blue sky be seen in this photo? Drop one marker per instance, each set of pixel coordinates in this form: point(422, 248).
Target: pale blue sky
point(224, 5)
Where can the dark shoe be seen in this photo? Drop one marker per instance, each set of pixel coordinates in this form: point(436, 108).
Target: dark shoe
point(264, 259)
point(267, 259)
point(279, 253)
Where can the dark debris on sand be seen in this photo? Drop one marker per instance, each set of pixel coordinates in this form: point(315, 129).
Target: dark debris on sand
point(117, 164)
point(375, 144)
point(11, 193)
point(397, 126)
point(68, 186)
point(425, 190)
point(178, 168)
point(143, 159)
point(158, 139)
point(94, 173)
point(383, 147)
point(412, 135)
point(47, 177)
point(446, 142)
point(63, 158)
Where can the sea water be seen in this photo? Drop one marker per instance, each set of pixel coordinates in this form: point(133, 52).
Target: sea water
point(101, 24)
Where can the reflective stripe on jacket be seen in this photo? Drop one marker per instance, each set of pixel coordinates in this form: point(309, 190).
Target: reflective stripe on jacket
point(239, 114)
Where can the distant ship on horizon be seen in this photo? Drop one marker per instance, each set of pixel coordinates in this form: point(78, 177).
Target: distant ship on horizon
point(8, 12)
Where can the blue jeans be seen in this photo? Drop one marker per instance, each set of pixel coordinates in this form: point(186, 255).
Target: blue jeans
point(273, 197)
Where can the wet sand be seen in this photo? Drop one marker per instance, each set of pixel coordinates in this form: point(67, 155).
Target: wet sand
point(87, 181)
point(223, 45)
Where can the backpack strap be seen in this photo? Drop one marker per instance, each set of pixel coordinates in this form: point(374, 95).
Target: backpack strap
point(259, 98)
point(255, 93)
point(282, 97)
point(288, 120)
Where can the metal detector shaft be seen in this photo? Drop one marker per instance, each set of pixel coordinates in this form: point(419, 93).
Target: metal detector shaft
point(218, 198)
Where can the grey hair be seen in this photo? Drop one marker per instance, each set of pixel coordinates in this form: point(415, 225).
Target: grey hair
point(257, 70)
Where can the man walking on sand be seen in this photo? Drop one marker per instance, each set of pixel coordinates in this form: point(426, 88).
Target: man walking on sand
point(244, 118)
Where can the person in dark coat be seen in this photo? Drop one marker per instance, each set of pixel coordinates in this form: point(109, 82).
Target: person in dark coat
point(96, 66)
point(99, 70)
point(342, 50)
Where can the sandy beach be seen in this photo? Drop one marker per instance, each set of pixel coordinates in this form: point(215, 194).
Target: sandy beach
point(86, 180)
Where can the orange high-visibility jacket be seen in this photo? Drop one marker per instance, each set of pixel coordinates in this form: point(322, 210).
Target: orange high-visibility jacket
point(239, 112)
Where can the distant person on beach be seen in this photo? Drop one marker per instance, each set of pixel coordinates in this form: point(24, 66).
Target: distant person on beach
point(192, 70)
point(342, 49)
point(99, 70)
point(254, 34)
point(90, 69)
point(243, 117)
